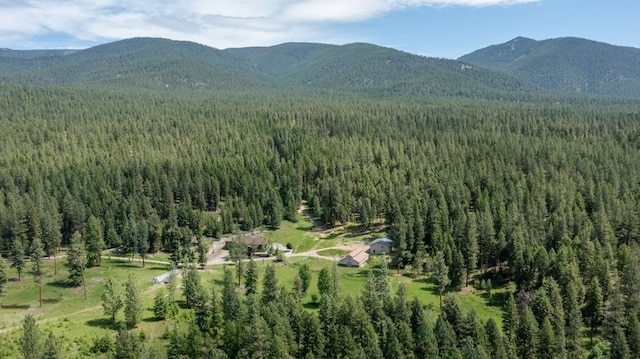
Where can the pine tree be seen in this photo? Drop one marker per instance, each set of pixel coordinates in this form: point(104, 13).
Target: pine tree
point(547, 340)
point(251, 278)
point(160, 305)
point(142, 243)
point(94, 239)
point(324, 282)
point(445, 337)
point(633, 336)
point(495, 340)
point(510, 317)
point(594, 307)
point(231, 304)
point(527, 334)
point(51, 237)
point(440, 274)
point(37, 254)
point(52, 347)
point(191, 284)
point(202, 252)
point(470, 246)
point(269, 285)
point(17, 257)
point(336, 286)
point(305, 276)
point(313, 340)
point(128, 345)
point(573, 319)
point(457, 270)
point(172, 287)
point(111, 299)
point(453, 314)
point(470, 350)
point(217, 318)
point(132, 303)
point(619, 348)
point(30, 340)
point(76, 261)
point(426, 345)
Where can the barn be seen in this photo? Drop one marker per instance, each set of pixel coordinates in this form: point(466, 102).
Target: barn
point(356, 258)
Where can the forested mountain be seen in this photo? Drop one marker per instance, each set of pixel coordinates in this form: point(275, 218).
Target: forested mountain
point(566, 64)
point(364, 68)
point(542, 196)
point(141, 62)
point(111, 147)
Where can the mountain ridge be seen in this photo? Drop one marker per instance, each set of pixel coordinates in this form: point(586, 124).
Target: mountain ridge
point(358, 67)
point(566, 64)
point(519, 66)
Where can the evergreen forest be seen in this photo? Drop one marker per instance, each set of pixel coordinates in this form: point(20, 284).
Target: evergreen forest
point(538, 201)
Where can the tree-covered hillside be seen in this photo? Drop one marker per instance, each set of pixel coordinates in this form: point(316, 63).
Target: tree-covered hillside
point(566, 64)
point(545, 196)
point(356, 68)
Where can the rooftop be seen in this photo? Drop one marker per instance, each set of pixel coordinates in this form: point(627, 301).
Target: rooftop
point(382, 240)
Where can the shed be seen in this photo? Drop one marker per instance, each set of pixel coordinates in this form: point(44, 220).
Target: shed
point(356, 258)
point(164, 277)
point(381, 246)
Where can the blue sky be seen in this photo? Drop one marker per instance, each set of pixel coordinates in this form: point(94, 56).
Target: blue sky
point(441, 28)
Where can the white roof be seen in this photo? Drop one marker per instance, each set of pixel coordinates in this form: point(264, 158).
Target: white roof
point(382, 240)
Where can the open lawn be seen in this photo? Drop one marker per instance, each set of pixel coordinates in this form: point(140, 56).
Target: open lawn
point(353, 280)
point(80, 321)
point(303, 237)
point(64, 309)
point(333, 252)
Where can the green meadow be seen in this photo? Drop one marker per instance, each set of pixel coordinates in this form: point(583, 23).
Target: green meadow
point(81, 322)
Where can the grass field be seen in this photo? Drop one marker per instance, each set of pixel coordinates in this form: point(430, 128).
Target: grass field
point(303, 237)
point(80, 321)
point(333, 252)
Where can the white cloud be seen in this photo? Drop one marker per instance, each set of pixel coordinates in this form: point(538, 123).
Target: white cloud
point(220, 23)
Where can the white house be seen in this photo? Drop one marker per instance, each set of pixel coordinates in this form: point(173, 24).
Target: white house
point(381, 246)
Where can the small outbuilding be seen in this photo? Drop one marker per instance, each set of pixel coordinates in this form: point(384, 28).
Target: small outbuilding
point(381, 246)
point(356, 258)
point(164, 277)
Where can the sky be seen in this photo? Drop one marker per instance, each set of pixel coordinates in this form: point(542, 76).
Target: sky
point(438, 28)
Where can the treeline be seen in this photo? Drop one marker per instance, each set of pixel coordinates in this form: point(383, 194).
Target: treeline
point(376, 323)
point(531, 191)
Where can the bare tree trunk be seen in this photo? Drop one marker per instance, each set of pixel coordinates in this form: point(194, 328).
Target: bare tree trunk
point(84, 286)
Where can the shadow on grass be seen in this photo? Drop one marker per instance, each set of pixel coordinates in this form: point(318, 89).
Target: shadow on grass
point(497, 299)
point(304, 228)
point(158, 267)
point(15, 306)
point(105, 323)
point(61, 283)
point(152, 320)
point(126, 264)
point(311, 305)
point(182, 304)
point(360, 273)
point(51, 300)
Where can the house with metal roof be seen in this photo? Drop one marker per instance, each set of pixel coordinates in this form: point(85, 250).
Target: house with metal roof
point(357, 258)
point(382, 245)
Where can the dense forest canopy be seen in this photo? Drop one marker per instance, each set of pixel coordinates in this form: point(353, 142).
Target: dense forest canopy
point(546, 194)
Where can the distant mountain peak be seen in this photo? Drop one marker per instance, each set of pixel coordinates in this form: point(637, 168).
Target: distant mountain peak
point(566, 64)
